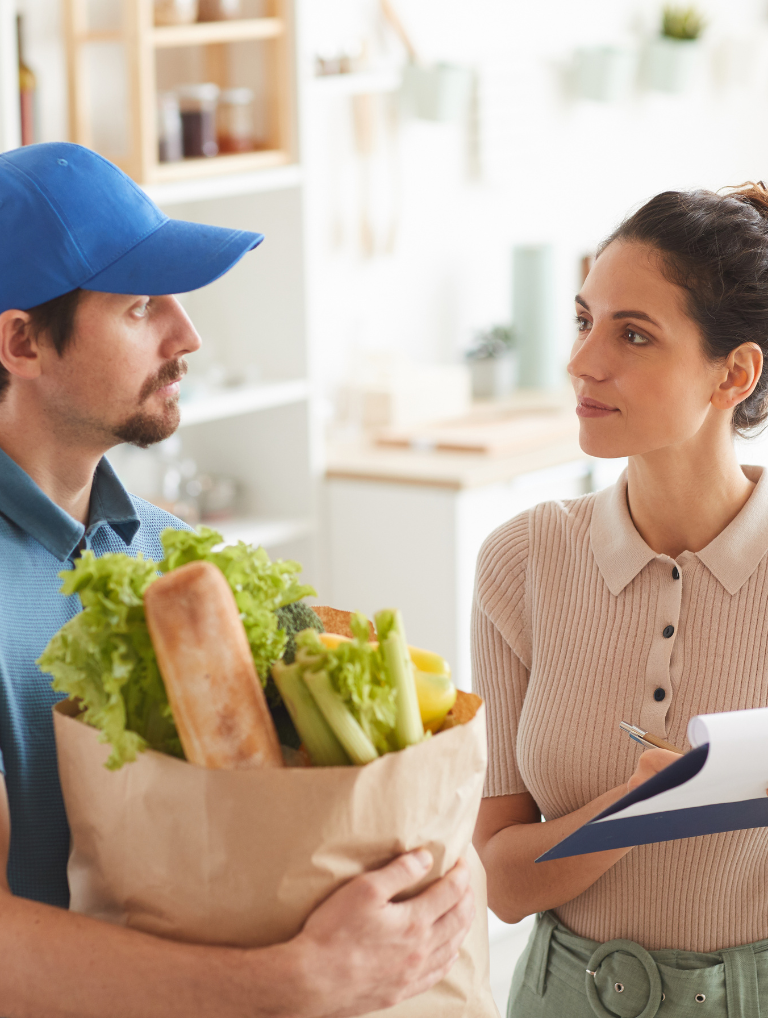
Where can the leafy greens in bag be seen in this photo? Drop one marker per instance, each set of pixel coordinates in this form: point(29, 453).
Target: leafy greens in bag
point(104, 655)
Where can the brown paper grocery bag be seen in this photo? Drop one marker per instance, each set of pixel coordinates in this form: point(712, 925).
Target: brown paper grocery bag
point(243, 857)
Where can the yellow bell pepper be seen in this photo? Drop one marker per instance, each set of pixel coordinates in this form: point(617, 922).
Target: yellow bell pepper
point(436, 695)
point(428, 661)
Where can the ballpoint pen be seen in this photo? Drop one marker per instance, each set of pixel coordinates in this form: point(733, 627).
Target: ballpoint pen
point(646, 739)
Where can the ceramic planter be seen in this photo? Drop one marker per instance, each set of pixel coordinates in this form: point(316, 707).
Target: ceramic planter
point(494, 377)
point(437, 92)
point(671, 64)
point(604, 73)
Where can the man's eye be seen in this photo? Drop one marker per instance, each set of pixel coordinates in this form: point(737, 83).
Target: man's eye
point(142, 310)
point(637, 338)
point(582, 323)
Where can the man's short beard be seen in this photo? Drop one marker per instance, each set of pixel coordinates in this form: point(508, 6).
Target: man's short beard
point(143, 428)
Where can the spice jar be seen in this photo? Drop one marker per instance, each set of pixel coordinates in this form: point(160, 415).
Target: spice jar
point(198, 119)
point(234, 121)
point(219, 10)
point(175, 12)
point(169, 139)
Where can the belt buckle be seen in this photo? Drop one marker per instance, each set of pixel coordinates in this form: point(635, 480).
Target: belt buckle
point(651, 969)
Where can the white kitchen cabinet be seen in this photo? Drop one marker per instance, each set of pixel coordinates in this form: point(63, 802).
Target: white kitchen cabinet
point(414, 546)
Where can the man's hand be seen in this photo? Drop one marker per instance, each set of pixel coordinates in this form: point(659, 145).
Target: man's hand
point(651, 762)
point(360, 951)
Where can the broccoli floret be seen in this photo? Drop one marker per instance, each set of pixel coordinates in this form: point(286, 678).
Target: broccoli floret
point(294, 618)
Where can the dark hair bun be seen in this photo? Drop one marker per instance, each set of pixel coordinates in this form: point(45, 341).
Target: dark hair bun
point(755, 195)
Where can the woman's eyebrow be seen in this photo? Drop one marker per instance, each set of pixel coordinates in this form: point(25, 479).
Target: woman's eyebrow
point(636, 314)
point(622, 314)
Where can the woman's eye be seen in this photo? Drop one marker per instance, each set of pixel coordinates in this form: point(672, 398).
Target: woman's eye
point(141, 310)
point(636, 338)
point(582, 324)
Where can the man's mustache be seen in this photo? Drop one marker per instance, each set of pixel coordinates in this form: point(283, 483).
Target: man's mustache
point(170, 372)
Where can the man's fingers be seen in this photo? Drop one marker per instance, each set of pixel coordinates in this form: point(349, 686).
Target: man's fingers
point(443, 895)
point(399, 875)
point(456, 922)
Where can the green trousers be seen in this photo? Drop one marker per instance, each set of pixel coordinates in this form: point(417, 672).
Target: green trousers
point(561, 975)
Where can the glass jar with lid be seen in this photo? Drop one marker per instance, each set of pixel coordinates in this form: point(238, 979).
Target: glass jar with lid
point(234, 121)
point(175, 12)
point(219, 10)
point(198, 119)
point(169, 136)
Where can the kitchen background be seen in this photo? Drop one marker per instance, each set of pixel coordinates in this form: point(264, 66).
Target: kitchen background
point(432, 178)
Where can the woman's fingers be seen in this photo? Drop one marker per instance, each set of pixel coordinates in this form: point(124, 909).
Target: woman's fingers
point(651, 762)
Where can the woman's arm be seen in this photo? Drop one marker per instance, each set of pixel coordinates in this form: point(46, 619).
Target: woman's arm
point(509, 837)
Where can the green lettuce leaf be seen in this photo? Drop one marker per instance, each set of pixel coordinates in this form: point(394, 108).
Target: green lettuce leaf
point(104, 656)
point(357, 673)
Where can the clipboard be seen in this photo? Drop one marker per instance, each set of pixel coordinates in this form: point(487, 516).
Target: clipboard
point(720, 785)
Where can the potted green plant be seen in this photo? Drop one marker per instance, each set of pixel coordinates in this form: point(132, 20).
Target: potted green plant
point(672, 57)
point(492, 360)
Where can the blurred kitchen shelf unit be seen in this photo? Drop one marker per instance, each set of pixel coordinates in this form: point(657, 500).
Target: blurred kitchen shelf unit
point(242, 400)
point(141, 42)
point(264, 532)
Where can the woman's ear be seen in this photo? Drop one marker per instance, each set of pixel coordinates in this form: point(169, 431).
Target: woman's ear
point(19, 346)
point(743, 368)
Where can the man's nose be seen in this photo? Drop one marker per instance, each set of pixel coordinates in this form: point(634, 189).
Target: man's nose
point(181, 336)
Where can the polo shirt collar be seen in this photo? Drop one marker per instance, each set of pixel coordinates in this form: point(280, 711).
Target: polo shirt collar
point(732, 557)
point(26, 505)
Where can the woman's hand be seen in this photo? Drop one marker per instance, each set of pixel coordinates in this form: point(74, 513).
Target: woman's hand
point(651, 762)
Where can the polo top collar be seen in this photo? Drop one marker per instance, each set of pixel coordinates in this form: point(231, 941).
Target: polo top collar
point(26, 505)
point(732, 557)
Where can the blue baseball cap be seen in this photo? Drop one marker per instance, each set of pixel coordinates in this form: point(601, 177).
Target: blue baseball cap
point(69, 218)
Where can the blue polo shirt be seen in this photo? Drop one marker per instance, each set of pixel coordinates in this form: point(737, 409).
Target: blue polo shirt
point(37, 541)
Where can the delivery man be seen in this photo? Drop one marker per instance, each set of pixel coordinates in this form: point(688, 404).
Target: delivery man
point(92, 350)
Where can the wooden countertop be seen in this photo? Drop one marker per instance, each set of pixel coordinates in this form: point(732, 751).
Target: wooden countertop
point(363, 460)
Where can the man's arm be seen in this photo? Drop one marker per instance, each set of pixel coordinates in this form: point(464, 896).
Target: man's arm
point(358, 952)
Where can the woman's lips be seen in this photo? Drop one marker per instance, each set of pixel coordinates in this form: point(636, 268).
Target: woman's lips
point(593, 408)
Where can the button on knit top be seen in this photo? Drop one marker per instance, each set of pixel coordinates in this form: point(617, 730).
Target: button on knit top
point(571, 636)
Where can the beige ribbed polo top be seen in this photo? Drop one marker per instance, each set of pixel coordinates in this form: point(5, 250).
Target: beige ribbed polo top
point(578, 625)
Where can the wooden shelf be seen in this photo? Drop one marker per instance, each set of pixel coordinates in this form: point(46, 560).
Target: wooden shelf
point(253, 180)
point(149, 53)
point(206, 33)
point(243, 400)
point(193, 169)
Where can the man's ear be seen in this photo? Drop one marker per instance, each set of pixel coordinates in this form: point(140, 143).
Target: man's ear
point(744, 365)
point(19, 346)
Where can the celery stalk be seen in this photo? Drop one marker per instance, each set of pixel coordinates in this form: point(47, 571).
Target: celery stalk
point(348, 731)
point(409, 728)
point(323, 747)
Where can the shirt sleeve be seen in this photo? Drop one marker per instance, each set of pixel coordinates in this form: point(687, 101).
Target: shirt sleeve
point(501, 678)
point(501, 649)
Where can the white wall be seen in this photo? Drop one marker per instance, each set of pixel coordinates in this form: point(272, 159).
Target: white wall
point(552, 168)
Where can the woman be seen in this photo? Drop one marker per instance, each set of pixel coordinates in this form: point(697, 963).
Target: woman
point(648, 603)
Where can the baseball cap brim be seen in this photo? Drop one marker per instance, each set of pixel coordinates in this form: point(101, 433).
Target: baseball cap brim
point(177, 257)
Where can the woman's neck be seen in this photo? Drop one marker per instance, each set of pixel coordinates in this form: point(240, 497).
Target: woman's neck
point(681, 498)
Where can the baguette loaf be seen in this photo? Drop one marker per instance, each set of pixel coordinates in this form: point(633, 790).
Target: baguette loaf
point(217, 701)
